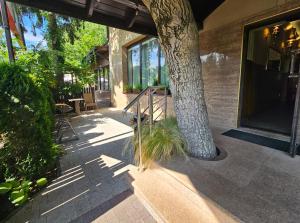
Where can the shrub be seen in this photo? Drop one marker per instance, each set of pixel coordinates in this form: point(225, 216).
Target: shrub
point(164, 141)
point(19, 190)
point(138, 87)
point(26, 124)
point(127, 88)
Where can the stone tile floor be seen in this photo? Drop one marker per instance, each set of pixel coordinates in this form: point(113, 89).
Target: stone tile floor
point(94, 185)
point(254, 183)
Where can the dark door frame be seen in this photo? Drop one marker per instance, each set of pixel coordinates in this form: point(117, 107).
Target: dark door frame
point(288, 16)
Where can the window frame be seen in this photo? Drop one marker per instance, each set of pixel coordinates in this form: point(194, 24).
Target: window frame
point(292, 14)
point(139, 43)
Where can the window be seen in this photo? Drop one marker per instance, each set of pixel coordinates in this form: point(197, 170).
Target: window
point(146, 65)
point(103, 78)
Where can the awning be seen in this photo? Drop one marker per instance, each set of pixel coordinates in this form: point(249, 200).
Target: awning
point(131, 15)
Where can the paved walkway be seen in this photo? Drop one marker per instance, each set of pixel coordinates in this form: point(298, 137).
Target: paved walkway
point(94, 185)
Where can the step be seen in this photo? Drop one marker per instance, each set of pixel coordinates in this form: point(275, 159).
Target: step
point(169, 200)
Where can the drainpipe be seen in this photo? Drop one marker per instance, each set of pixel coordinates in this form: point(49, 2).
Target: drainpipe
point(3, 9)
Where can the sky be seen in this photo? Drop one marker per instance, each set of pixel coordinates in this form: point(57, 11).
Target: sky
point(30, 38)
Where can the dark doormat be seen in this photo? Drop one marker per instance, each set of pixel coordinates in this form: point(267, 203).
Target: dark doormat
point(259, 140)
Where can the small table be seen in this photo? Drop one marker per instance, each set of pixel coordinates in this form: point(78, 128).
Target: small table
point(77, 107)
point(62, 122)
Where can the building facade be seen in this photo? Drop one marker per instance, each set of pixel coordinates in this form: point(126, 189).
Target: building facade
point(250, 60)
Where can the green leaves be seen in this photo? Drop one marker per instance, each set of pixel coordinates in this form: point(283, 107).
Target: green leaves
point(18, 197)
point(27, 122)
point(18, 190)
point(14, 183)
point(164, 141)
point(41, 182)
point(5, 187)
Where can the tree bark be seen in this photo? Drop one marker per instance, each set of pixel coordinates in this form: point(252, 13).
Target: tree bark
point(179, 38)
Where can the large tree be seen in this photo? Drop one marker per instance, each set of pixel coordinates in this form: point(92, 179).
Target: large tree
point(179, 38)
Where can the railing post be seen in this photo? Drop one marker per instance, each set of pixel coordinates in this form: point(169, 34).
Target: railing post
point(139, 125)
point(150, 102)
point(5, 22)
point(166, 103)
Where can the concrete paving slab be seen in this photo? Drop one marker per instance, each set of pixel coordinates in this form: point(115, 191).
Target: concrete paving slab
point(93, 177)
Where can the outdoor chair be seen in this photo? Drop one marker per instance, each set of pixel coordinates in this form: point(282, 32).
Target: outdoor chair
point(88, 101)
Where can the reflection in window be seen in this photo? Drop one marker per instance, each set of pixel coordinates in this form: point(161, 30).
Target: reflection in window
point(134, 66)
point(146, 65)
point(164, 72)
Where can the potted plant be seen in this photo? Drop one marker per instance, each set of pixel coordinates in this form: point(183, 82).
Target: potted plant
point(161, 90)
point(137, 88)
point(155, 82)
point(127, 89)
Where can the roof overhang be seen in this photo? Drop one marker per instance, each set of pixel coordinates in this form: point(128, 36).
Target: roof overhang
point(131, 15)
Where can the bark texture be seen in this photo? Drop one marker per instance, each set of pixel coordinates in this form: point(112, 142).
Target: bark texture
point(179, 38)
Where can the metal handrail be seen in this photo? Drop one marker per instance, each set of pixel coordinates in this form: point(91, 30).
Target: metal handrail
point(151, 103)
point(135, 100)
point(141, 94)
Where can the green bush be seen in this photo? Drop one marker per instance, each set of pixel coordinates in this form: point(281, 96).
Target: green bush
point(26, 124)
point(127, 88)
point(164, 141)
point(138, 87)
point(19, 190)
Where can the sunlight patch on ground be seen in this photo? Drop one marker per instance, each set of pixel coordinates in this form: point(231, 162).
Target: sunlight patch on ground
point(107, 140)
point(69, 176)
point(63, 185)
point(67, 201)
point(109, 161)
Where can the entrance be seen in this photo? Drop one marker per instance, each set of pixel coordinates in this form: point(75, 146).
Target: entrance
point(271, 69)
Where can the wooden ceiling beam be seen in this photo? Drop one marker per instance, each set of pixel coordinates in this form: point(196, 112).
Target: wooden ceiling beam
point(90, 4)
point(131, 15)
point(78, 10)
point(132, 4)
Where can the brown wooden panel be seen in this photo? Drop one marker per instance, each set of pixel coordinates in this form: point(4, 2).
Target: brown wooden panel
point(116, 13)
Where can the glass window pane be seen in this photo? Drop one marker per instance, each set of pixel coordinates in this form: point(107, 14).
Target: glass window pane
point(164, 72)
point(149, 62)
point(136, 65)
point(129, 66)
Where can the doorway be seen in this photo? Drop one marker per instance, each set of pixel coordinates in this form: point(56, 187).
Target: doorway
point(270, 76)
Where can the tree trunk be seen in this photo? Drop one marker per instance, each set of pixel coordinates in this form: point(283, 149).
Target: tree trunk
point(179, 38)
point(55, 44)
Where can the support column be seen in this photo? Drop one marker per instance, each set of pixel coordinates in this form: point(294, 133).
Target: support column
point(7, 30)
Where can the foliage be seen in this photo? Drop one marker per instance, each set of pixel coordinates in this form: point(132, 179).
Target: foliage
point(155, 82)
point(19, 190)
point(127, 88)
point(164, 141)
point(68, 41)
point(3, 49)
point(88, 36)
point(138, 87)
point(41, 182)
point(26, 122)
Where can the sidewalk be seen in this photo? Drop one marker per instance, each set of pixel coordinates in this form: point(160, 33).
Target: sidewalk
point(94, 183)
